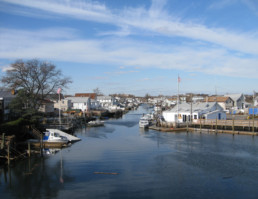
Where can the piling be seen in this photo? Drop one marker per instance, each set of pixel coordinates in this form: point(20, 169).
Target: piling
point(29, 149)
point(216, 125)
point(233, 124)
point(2, 143)
point(8, 153)
point(200, 125)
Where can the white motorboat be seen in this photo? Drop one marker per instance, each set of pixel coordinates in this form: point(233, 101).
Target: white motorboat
point(95, 123)
point(143, 123)
point(69, 137)
point(52, 136)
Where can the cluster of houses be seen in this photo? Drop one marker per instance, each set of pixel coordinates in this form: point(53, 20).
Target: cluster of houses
point(205, 107)
point(190, 107)
point(82, 102)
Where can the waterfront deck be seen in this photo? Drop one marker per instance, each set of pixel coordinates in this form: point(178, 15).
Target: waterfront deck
point(234, 127)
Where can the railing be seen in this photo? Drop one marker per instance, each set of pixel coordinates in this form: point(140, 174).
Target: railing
point(213, 122)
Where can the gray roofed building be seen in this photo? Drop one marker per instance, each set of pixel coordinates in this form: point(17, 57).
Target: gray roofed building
point(239, 100)
point(209, 110)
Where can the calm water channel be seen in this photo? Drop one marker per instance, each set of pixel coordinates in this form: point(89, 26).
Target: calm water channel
point(149, 164)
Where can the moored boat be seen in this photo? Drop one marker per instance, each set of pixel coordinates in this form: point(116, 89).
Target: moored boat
point(143, 123)
point(95, 123)
point(69, 137)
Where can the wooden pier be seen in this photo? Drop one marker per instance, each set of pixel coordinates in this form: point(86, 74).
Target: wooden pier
point(234, 127)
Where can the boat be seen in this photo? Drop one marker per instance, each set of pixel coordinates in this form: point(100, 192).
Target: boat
point(51, 139)
point(69, 137)
point(95, 123)
point(54, 136)
point(143, 123)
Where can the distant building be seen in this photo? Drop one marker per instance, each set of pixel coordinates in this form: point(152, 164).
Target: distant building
point(198, 98)
point(46, 106)
point(63, 105)
point(210, 110)
point(106, 101)
point(239, 100)
point(6, 96)
point(225, 102)
point(82, 103)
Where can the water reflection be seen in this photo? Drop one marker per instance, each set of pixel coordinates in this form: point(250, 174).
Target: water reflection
point(34, 178)
point(150, 164)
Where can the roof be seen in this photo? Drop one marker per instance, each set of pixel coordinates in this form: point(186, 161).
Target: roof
point(196, 107)
point(234, 97)
point(6, 94)
point(78, 99)
point(91, 95)
point(218, 99)
point(104, 98)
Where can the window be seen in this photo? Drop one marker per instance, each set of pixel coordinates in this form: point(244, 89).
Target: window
point(195, 117)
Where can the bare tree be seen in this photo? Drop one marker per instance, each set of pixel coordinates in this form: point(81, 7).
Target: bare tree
point(97, 91)
point(36, 78)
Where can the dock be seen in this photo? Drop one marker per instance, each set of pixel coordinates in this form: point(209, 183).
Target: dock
point(234, 127)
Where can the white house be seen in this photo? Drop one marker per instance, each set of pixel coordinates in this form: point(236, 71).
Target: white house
point(183, 112)
point(239, 100)
point(106, 101)
point(82, 103)
point(94, 104)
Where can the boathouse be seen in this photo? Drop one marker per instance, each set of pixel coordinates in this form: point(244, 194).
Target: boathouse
point(182, 113)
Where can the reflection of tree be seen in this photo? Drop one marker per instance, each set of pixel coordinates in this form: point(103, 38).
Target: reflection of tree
point(37, 178)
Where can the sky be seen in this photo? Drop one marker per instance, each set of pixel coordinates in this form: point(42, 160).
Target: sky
point(137, 46)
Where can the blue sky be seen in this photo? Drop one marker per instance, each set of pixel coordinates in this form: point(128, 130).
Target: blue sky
point(137, 46)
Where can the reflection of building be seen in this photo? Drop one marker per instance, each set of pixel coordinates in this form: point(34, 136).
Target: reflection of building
point(5, 98)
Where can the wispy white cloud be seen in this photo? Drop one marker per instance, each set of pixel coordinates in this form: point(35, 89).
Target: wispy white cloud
point(128, 53)
point(222, 52)
point(5, 68)
point(154, 20)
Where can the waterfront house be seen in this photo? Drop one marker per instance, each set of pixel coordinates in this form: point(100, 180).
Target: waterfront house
point(239, 100)
point(94, 104)
point(106, 101)
point(225, 102)
point(46, 106)
point(182, 113)
point(81, 103)
point(6, 96)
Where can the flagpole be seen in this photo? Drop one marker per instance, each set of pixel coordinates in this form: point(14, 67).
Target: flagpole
point(178, 80)
point(59, 94)
point(59, 110)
